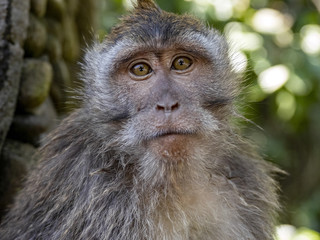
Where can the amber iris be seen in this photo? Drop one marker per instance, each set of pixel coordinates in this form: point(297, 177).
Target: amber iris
point(181, 63)
point(141, 69)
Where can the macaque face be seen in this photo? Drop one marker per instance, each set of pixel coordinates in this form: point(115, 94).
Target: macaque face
point(165, 80)
point(166, 91)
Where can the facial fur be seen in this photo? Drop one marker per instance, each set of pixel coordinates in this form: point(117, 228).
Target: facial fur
point(204, 93)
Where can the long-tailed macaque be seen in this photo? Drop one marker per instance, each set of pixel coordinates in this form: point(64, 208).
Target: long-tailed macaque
point(151, 154)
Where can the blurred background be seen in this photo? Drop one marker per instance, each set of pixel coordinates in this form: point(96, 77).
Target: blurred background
point(275, 46)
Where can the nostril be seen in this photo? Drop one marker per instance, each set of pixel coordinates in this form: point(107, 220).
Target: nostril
point(174, 106)
point(160, 107)
point(167, 107)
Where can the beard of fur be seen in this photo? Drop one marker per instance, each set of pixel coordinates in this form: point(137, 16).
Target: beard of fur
point(158, 187)
point(159, 172)
point(156, 204)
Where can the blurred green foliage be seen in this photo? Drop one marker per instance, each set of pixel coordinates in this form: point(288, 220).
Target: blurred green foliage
point(276, 46)
point(289, 232)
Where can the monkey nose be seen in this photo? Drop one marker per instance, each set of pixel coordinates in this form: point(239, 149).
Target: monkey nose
point(167, 107)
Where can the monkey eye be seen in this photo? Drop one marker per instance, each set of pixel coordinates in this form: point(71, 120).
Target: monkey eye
point(141, 69)
point(181, 63)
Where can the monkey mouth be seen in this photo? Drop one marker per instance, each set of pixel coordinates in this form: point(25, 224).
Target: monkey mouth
point(172, 145)
point(171, 134)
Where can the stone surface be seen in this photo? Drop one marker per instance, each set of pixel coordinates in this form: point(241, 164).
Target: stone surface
point(30, 127)
point(86, 19)
point(62, 82)
point(39, 7)
point(71, 45)
point(36, 37)
point(13, 26)
point(53, 48)
point(19, 20)
point(61, 74)
point(54, 28)
point(56, 9)
point(57, 96)
point(16, 160)
point(72, 7)
point(35, 83)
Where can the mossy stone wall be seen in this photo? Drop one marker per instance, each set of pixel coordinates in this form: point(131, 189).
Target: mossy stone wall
point(40, 46)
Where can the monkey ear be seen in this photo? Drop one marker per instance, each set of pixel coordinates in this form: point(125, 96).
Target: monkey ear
point(146, 4)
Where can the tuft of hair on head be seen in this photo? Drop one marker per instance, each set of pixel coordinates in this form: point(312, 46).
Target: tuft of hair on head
point(146, 4)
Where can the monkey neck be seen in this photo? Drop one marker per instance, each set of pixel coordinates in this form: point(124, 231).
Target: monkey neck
point(147, 169)
point(159, 178)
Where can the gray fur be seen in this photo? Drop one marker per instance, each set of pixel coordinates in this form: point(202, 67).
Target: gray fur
point(98, 178)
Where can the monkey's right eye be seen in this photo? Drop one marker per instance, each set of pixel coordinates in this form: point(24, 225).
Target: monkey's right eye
point(141, 69)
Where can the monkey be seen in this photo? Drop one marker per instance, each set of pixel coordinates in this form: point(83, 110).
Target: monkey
point(152, 153)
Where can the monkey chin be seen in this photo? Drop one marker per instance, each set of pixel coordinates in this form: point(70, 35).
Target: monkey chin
point(173, 147)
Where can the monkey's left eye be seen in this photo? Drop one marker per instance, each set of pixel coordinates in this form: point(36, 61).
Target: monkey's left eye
point(181, 63)
point(141, 69)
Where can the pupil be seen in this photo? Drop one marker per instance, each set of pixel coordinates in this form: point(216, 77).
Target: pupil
point(141, 69)
point(181, 62)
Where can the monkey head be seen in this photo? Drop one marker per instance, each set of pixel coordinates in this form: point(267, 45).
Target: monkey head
point(163, 80)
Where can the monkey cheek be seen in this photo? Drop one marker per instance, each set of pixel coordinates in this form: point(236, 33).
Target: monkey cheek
point(173, 147)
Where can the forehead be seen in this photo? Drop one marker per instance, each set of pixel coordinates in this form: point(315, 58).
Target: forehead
point(127, 48)
point(153, 30)
point(148, 25)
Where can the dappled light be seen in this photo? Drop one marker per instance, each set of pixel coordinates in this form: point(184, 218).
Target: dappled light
point(310, 43)
point(271, 21)
point(289, 232)
point(241, 38)
point(273, 78)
